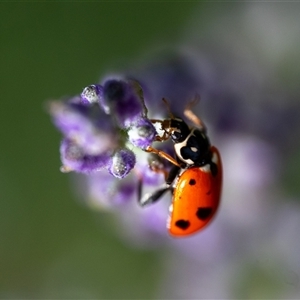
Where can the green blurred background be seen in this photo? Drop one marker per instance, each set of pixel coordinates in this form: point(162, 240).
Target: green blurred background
point(50, 246)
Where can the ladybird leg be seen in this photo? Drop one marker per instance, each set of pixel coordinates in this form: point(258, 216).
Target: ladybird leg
point(172, 190)
point(163, 155)
point(139, 189)
point(150, 198)
point(163, 125)
point(156, 121)
point(172, 174)
point(157, 166)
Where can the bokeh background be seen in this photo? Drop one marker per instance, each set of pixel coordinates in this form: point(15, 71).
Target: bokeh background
point(51, 244)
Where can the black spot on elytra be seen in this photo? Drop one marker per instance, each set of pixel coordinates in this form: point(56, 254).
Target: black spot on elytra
point(183, 224)
point(192, 182)
point(203, 213)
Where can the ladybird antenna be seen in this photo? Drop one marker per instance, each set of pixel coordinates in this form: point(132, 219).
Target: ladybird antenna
point(194, 101)
point(165, 101)
point(191, 116)
point(139, 91)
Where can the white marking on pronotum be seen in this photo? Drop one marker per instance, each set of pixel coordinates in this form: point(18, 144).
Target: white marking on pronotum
point(215, 158)
point(205, 168)
point(178, 147)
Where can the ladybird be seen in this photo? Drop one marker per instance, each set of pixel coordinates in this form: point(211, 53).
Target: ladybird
point(196, 197)
point(195, 179)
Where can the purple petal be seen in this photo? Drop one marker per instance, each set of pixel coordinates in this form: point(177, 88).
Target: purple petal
point(88, 126)
point(74, 159)
point(142, 133)
point(92, 94)
point(106, 191)
point(123, 101)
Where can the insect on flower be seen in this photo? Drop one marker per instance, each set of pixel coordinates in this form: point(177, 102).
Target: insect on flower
point(105, 124)
point(195, 179)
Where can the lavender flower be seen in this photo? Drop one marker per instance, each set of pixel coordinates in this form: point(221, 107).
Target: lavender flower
point(87, 126)
point(102, 191)
point(99, 123)
point(121, 163)
point(142, 133)
point(74, 158)
point(121, 99)
point(92, 94)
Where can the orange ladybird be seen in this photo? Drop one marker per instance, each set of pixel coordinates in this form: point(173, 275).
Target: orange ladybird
point(196, 197)
point(196, 178)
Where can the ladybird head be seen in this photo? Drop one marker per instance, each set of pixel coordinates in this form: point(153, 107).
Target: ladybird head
point(178, 130)
point(191, 144)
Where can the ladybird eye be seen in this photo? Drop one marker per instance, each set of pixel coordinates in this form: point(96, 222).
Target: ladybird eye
point(179, 130)
point(176, 135)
